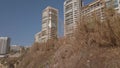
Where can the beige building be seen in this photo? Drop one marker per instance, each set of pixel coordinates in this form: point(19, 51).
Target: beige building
point(73, 10)
point(49, 25)
point(97, 7)
point(93, 9)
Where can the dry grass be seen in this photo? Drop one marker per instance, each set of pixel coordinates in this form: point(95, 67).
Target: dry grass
point(95, 45)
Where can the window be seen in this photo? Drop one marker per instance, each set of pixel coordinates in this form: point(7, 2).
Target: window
point(69, 14)
point(52, 11)
point(68, 1)
point(68, 7)
point(75, 4)
point(44, 33)
point(116, 4)
point(44, 21)
point(69, 21)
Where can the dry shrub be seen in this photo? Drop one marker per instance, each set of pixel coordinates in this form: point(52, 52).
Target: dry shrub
point(95, 45)
point(103, 33)
point(40, 54)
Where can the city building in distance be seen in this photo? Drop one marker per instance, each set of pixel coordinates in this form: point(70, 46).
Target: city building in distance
point(49, 25)
point(4, 45)
point(16, 48)
point(75, 9)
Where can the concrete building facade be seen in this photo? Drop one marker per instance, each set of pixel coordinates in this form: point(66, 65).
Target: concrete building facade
point(97, 8)
point(93, 9)
point(38, 37)
point(73, 13)
point(49, 25)
point(4, 45)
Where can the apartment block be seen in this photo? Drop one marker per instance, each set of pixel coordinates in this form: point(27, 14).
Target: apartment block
point(74, 11)
point(4, 45)
point(97, 7)
point(49, 25)
point(71, 15)
point(93, 9)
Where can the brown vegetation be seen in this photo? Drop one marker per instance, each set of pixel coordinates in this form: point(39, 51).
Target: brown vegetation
point(95, 45)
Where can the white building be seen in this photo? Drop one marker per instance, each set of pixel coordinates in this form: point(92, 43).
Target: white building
point(16, 48)
point(71, 15)
point(4, 45)
point(74, 11)
point(49, 25)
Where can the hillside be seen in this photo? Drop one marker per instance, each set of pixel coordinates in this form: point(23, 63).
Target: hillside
point(96, 46)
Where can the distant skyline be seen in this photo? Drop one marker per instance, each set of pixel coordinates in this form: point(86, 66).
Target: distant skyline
point(21, 19)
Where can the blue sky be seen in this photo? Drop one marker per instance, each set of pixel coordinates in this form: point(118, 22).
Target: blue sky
point(21, 19)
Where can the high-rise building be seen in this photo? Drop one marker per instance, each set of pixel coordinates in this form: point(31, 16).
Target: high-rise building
point(96, 8)
point(4, 45)
point(74, 11)
point(71, 15)
point(49, 25)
